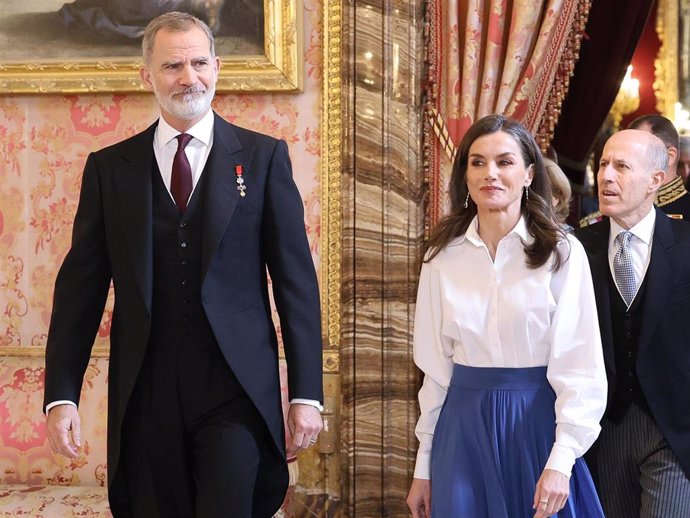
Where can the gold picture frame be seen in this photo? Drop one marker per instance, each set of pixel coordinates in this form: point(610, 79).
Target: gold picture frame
point(331, 192)
point(278, 69)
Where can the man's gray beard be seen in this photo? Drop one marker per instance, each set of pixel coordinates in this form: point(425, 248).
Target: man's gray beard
point(187, 110)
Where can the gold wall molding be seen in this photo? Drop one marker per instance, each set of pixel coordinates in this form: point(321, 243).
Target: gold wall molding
point(666, 63)
point(331, 361)
point(32, 351)
point(331, 168)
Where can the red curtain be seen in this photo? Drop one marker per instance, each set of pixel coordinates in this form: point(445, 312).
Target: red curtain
point(495, 56)
point(611, 36)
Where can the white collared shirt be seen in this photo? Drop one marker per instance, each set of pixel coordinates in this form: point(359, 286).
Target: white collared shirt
point(640, 245)
point(165, 147)
point(482, 313)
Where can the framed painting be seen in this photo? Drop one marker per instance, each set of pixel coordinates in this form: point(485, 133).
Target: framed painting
point(53, 46)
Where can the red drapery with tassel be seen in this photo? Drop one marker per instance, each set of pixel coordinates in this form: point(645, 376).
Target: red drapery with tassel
point(513, 57)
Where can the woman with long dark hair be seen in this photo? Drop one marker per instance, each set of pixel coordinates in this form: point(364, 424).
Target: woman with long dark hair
point(506, 335)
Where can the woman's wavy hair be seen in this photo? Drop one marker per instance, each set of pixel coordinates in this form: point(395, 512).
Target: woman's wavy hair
point(537, 209)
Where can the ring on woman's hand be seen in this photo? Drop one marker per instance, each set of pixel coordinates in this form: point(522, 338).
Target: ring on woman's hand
point(544, 502)
point(312, 441)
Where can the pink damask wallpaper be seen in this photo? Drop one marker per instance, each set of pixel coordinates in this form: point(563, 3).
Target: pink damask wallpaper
point(44, 142)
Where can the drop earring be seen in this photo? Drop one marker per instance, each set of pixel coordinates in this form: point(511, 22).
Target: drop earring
point(467, 199)
point(526, 193)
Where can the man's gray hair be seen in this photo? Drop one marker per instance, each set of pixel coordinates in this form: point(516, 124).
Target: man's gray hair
point(175, 22)
point(657, 157)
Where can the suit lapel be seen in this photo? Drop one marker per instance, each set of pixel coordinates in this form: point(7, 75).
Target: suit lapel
point(658, 278)
point(599, 263)
point(132, 182)
point(221, 193)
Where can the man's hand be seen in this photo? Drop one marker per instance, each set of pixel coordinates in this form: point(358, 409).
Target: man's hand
point(64, 430)
point(304, 423)
point(419, 498)
point(551, 493)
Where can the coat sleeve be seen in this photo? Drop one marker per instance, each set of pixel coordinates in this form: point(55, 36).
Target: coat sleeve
point(294, 282)
point(81, 290)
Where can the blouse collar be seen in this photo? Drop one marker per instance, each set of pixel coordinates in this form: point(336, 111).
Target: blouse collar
point(519, 231)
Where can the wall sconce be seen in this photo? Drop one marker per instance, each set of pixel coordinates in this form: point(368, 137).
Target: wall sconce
point(627, 100)
point(681, 119)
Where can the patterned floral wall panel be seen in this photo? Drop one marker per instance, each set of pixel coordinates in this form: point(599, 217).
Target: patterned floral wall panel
point(44, 142)
point(26, 455)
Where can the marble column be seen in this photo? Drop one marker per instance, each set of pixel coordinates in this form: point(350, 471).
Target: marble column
point(382, 237)
point(372, 154)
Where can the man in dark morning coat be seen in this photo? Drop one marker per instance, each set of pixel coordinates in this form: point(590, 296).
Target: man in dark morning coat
point(672, 197)
point(641, 460)
point(186, 234)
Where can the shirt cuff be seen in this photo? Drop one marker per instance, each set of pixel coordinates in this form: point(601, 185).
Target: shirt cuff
point(60, 402)
point(310, 402)
point(561, 459)
point(422, 468)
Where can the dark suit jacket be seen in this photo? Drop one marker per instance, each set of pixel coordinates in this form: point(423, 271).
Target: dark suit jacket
point(663, 362)
point(679, 207)
point(242, 236)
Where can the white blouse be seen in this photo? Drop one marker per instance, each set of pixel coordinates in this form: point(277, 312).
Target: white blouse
point(482, 313)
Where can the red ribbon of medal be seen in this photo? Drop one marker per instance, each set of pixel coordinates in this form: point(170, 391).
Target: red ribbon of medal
point(240, 180)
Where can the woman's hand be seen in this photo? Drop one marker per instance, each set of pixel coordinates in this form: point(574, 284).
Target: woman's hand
point(551, 493)
point(419, 498)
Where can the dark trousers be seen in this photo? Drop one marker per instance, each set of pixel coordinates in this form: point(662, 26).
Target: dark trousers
point(639, 475)
point(193, 442)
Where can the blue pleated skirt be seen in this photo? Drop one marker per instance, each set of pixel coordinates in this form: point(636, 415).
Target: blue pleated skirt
point(491, 443)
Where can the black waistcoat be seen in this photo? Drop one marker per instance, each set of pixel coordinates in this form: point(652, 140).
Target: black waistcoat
point(626, 323)
point(176, 310)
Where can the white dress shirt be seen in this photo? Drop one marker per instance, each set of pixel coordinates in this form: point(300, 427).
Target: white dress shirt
point(640, 245)
point(197, 151)
point(165, 147)
point(482, 313)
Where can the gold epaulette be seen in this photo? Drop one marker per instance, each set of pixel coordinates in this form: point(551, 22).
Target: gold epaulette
point(670, 192)
point(591, 219)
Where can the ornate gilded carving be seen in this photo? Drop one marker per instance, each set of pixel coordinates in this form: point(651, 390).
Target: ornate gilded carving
point(331, 361)
point(331, 164)
point(432, 121)
point(666, 63)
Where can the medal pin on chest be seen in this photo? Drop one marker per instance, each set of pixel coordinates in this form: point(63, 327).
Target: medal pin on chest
point(239, 180)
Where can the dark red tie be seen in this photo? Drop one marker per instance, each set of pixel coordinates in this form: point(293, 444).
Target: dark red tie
point(181, 179)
